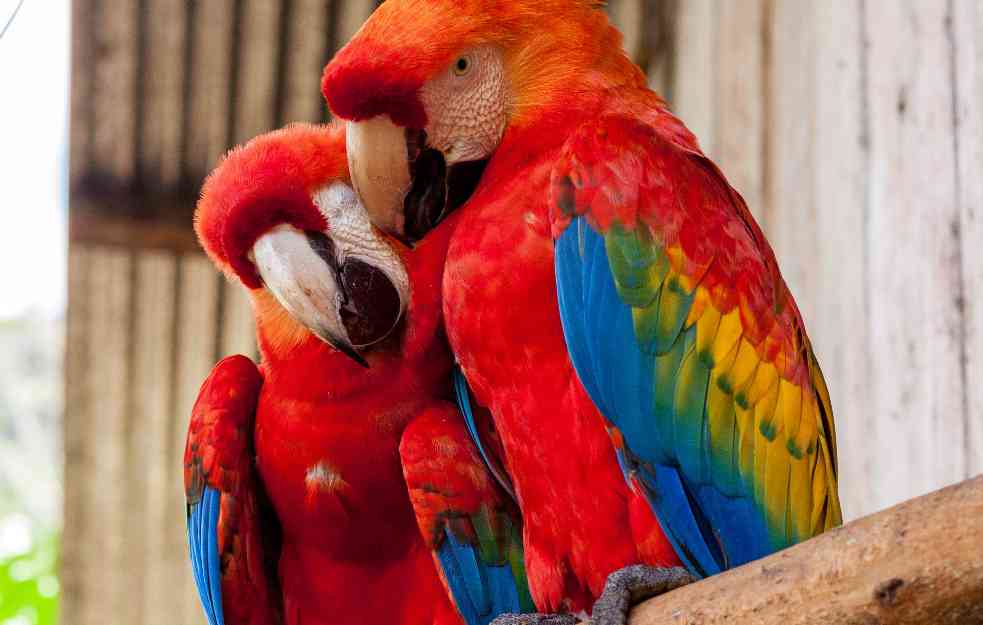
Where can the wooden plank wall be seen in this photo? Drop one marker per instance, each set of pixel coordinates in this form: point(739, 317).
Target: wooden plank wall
point(853, 128)
point(855, 131)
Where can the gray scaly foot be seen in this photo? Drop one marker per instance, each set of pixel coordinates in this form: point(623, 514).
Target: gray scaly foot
point(536, 619)
point(631, 585)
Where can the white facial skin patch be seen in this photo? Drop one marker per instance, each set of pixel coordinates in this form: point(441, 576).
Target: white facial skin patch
point(354, 236)
point(468, 106)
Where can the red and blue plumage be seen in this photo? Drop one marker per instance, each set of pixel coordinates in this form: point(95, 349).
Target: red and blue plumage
point(466, 518)
point(703, 364)
point(604, 283)
point(229, 518)
point(302, 473)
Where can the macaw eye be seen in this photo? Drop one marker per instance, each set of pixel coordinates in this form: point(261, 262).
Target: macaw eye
point(463, 65)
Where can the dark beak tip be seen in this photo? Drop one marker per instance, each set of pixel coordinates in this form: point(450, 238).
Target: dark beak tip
point(345, 348)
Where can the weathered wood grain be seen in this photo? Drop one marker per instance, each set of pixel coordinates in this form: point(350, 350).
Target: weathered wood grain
point(351, 15)
point(741, 98)
point(916, 563)
point(694, 90)
point(113, 91)
point(309, 30)
point(833, 285)
point(966, 32)
point(92, 227)
point(210, 68)
point(657, 53)
point(627, 16)
point(719, 87)
point(152, 522)
point(916, 382)
point(80, 126)
point(104, 466)
point(77, 436)
point(163, 81)
point(788, 204)
point(255, 69)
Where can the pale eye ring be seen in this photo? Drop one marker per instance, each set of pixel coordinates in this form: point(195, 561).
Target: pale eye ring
point(463, 64)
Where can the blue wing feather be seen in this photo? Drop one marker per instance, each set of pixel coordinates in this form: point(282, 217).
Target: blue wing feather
point(481, 591)
point(203, 544)
point(462, 393)
point(634, 388)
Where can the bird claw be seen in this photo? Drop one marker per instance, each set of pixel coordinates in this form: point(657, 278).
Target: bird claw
point(536, 619)
point(631, 585)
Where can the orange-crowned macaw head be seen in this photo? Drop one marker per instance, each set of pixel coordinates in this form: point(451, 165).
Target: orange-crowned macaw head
point(430, 87)
point(280, 215)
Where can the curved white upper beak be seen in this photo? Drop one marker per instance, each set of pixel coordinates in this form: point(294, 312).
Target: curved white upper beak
point(348, 287)
point(303, 283)
point(380, 170)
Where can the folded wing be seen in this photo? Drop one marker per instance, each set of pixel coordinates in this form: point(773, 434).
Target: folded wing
point(232, 533)
point(684, 334)
point(467, 519)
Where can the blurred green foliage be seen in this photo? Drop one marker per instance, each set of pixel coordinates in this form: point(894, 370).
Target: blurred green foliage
point(30, 468)
point(29, 585)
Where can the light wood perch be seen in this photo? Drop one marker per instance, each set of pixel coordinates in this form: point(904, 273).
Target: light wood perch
point(918, 563)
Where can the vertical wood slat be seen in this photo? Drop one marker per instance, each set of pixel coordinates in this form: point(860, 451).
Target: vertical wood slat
point(206, 129)
point(916, 384)
point(81, 90)
point(154, 519)
point(255, 74)
point(114, 88)
point(627, 16)
point(351, 15)
point(163, 92)
point(77, 436)
point(967, 39)
point(102, 476)
point(197, 309)
point(657, 53)
point(837, 296)
point(309, 30)
point(719, 84)
point(694, 91)
point(739, 125)
point(788, 204)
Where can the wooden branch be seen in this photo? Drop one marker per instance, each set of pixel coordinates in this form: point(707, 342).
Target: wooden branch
point(918, 563)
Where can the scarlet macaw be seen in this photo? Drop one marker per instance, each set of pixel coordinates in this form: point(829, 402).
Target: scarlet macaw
point(602, 273)
point(300, 472)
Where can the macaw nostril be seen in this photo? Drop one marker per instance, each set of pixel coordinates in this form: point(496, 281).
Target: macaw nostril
point(373, 307)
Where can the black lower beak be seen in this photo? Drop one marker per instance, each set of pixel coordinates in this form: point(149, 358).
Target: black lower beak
point(370, 306)
point(436, 190)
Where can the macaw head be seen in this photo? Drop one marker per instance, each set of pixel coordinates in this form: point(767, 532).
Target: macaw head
point(431, 87)
point(280, 215)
